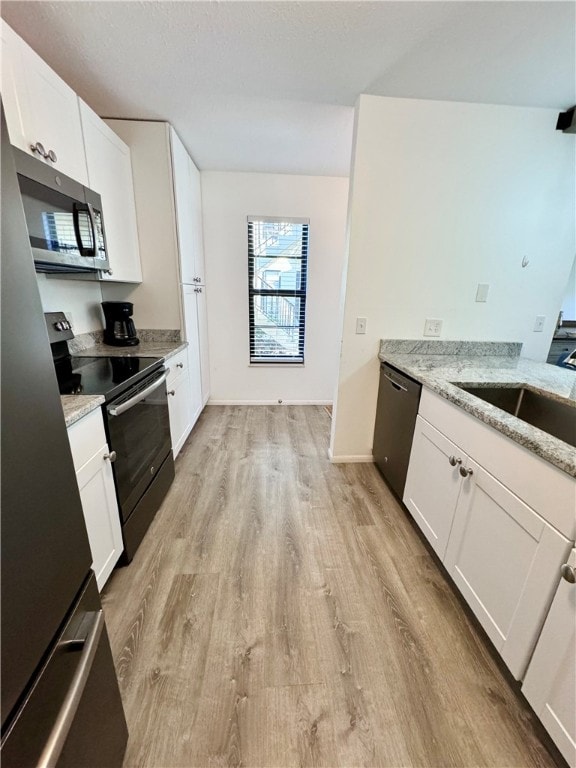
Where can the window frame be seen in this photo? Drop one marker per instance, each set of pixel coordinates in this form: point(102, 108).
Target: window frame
point(300, 293)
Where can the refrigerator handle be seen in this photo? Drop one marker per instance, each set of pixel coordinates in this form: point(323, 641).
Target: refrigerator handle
point(57, 739)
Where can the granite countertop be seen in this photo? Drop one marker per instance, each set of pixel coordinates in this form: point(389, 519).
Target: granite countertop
point(472, 365)
point(77, 406)
point(165, 349)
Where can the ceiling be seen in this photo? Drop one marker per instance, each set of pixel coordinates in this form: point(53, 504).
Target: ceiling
point(270, 86)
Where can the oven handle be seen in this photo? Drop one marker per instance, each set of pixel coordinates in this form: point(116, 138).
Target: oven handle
point(116, 410)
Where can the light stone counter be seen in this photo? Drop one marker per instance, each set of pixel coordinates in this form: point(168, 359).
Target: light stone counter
point(497, 364)
point(165, 349)
point(77, 406)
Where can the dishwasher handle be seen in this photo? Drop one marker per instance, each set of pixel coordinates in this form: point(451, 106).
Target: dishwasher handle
point(394, 383)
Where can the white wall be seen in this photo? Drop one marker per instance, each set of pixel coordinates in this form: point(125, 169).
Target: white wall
point(569, 300)
point(227, 199)
point(80, 299)
point(446, 196)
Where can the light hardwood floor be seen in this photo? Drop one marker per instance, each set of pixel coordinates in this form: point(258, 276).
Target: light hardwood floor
point(283, 611)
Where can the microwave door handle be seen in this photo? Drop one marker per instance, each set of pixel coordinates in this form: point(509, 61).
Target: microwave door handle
point(92, 217)
point(77, 209)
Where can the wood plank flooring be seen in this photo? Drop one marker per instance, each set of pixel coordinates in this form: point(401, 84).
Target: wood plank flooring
point(282, 611)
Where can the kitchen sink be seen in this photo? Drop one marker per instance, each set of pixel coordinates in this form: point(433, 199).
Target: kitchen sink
point(539, 410)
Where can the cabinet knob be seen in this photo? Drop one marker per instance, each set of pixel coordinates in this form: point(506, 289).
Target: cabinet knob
point(197, 290)
point(196, 280)
point(111, 457)
point(51, 155)
point(453, 461)
point(179, 365)
point(466, 472)
point(171, 392)
point(38, 148)
point(568, 573)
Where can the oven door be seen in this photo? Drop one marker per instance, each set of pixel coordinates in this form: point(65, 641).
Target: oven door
point(139, 433)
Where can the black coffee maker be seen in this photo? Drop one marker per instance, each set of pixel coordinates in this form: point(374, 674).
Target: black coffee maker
point(120, 330)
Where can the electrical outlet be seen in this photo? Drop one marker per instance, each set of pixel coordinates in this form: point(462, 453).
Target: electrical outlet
point(482, 292)
point(360, 325)
point(432, 327)
point(539, 324)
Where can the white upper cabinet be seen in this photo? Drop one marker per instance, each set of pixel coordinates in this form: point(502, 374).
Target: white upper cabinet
point(110, 174)
point(40, 108)
point(188, 202)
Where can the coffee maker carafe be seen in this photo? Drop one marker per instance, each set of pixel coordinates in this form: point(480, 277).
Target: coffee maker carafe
point(120, 330)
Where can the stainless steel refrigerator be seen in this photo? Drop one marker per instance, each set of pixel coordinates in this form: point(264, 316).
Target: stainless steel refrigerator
point(61, 704)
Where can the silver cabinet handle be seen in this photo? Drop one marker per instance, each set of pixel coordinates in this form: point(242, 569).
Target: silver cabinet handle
point(466, 472)
point(179, 365)
point(172, 392)
point(197, 290)
point(110, 456)
point(453, 461)
point(117, 410)
point(51, 155)
point(38, 148)
point(57, 739)
point(568, 573)
point(196, 280)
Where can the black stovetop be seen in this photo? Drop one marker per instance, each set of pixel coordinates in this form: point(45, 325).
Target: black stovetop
point(108, 376)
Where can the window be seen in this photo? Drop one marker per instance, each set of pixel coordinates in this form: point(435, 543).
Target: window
point(277, 261)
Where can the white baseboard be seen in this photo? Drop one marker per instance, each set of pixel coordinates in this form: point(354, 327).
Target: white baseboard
point(350, 459)
point(269, 402)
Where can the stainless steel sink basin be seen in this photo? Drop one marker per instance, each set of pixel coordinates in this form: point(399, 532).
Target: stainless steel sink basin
point(546, 413)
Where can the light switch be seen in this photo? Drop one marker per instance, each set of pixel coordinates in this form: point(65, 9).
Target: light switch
point(539, 323)
point(361, 325)
point(482, 292)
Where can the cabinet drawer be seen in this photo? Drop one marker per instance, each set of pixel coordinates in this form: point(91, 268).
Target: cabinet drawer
point(86, 438)
point(178, 364)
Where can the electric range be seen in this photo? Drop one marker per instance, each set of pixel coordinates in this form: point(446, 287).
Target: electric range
point(136, 420)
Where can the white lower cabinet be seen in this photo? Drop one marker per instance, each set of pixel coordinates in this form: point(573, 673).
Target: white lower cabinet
point(550, 683)
point(194, 304)
point(503, 558)
point(179, 405)
point(92, 461)
point(501, 553)
point(433, 483)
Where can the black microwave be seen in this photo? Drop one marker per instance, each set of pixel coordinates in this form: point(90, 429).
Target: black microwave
point(64, 220)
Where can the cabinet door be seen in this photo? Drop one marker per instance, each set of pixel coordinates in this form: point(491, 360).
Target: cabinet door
point(433, 483)
point(188, 202)
point(48, 110)
point(202, 316)
point(180, 411)
point(550, 683)
point(504, 558)
point(110, 174)
point(189, 296)
point(100, 508)
point(13, 86)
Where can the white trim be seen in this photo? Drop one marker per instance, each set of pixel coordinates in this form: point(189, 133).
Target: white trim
point(278, 220)
point(269, 402)
point(350, 459)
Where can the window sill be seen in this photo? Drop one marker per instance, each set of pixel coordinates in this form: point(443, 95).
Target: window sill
point(276, 365)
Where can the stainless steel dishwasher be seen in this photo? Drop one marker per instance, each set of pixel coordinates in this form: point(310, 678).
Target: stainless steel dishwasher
point(398, 399)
